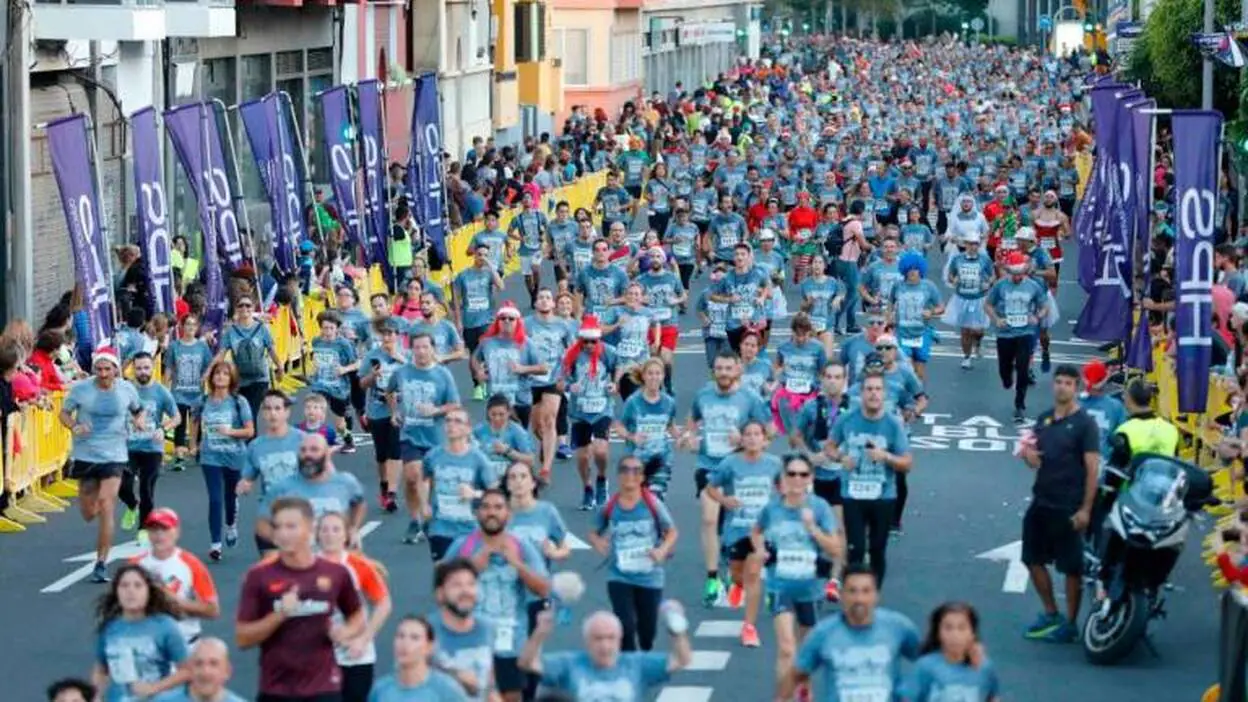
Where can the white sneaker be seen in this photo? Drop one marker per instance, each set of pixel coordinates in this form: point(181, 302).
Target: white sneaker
point(966, 363)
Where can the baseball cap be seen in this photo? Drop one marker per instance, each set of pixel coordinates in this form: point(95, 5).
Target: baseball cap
point(162, 518)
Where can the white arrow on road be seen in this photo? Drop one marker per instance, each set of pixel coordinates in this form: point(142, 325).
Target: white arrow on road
point(1016, 576)
point(118, 553)
point(575, 543)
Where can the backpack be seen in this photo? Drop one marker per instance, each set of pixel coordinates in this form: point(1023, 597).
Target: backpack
point(834, 241)
point(248, 356)
point(821, 417)
point(470, 543)
point(647, 498)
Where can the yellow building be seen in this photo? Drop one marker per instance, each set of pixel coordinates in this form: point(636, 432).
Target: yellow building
point(599, 44)
point(528, 89)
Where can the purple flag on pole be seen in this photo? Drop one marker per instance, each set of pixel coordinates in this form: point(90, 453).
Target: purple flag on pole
point(1196, 137)
point(1140, 351)
point(1091, 215)
point(73, 166)
point(336, 120)
point(152, 209)
point(425, 161)
point(259, 119)
point(376, 206)
point(294, 173)
point(186, 127)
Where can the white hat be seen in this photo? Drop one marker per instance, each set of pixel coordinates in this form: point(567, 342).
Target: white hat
point(1025, 233)
point(971, 238)
point(767, 235)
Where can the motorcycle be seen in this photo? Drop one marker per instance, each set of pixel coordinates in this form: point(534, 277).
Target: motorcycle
point(1148, 510)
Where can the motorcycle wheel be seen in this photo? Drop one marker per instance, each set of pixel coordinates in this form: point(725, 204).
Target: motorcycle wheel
point(1108, 638)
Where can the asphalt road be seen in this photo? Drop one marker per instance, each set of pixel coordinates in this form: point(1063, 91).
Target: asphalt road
point(967, 496)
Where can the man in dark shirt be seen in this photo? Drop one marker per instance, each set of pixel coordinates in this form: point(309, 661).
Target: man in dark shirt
point(286, 608)
point(1065, 454)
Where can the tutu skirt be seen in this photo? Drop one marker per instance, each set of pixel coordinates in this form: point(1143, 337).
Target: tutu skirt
point(1053, 316)
point(965, 313)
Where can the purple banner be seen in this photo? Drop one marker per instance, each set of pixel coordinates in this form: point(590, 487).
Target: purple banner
point(1140, 351)
point(1197, 134)
point(152, 210)
point(1090, 217)
point(425, 161)
point(294, 174)
point(73, 165)
point(376, 204)
point(187, 126)
point(259, 118)
point(336, 120)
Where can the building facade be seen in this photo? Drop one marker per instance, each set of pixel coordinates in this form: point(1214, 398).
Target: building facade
point(452, 38)
point(689, 41)
point(599, 45)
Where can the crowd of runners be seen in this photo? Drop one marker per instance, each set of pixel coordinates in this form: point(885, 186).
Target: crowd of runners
point(818, 216)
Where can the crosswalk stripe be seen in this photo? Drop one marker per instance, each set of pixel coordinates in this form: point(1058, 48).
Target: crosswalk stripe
point(719, 629)
point(1076, 358)
point(784, 333)
point(676, 693)
point(709, 660)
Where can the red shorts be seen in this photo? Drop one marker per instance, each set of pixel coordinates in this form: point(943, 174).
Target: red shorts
point(669, 336)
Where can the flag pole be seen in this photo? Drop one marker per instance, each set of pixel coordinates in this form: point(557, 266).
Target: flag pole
point(231, 154)
point(105, 234)
point(297, 139)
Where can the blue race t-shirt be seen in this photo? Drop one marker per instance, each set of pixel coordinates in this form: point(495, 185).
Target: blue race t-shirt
point(512, 437)
point(502, 598)
point(852, 433)
point(859, 663)
point(934, 679)
point(721, 414)
point(108, 414)
point(271, 460)
point(1018, 304)
point(188, 362)
point(447, 472)
point(417, 388)
point(376, 407)
point(158, 405)
point(471, 650)
point(633, 674)
point(338, 492)
point(215, 448)
point(791, 574)
point(438, 687)
point(634, 533)
point(144, 650)
point(328, 360)
point(753, 483)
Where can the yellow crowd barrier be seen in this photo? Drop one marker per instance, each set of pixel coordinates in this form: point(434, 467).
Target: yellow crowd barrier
point(36, 448)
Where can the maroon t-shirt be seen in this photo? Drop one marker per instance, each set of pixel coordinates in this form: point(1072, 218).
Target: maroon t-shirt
point(298, 659)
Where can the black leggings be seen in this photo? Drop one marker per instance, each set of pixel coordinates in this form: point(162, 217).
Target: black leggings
point(182, 432)
point(145, 467)
point(561, 420)
point(903, 492)
point(1013, 363)
point(254, 394)
point(357, 681)
point(830, 492)
point(628, 386)
point(638, 610)
point(686, 274)
point(874, 516)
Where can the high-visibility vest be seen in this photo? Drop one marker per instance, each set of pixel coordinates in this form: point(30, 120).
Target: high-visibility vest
point(1150, 435)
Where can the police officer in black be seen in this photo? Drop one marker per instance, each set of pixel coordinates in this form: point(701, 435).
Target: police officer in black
point(809, 435)
point(1065, 455)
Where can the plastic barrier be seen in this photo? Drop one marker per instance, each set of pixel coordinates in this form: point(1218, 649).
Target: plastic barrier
point(36, 446)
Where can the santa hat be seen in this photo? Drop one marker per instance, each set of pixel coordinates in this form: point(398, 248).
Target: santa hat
point(1016, 263)
point(105, 353)
point(590, 328)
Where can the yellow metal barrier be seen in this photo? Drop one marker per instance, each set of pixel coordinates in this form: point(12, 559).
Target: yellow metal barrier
point(36, 448)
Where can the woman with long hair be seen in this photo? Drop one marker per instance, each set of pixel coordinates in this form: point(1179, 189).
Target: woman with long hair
point(139, 650)
point(358, 656)
point(414, 678)
point(226, 423)
point(953, 660)
point(648, 425)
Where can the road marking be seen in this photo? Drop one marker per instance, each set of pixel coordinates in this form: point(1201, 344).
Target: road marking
point(989, 355)
point(685, 694)
point(719, 629)
point(784, 333)
point(709, 660)
point(119, 552)
point(368, 528)
point(574, 542)
point(1016, 576)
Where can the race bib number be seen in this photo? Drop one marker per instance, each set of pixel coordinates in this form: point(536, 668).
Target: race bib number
point(742, 311)
point(717, 444)
point(594, 404)
point(631, 348)
point(818, 325)
point(122, 667)
point(753, 500)
point(794, 564)
point(478, 304)
point(1048, 244)
point(504, 636)
point(872, 694)
point(860, 489)
point(662, 313)
point(682, 248)
point(911, 343)
point(797, 386)
point(635, 560)
point(728, 237)
point(453, 508)
point(1017, 321)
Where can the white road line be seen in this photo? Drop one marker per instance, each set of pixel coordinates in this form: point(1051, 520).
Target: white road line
point(1016, 575)
point(368, 528)
point(685, 694)
point(1077, 358)
point(719, 629)
point(709, 660)
point(784, 333)
point(574, 542)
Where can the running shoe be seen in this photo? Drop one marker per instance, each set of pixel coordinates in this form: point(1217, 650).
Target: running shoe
point(478, 393)
point(803, 693)
point(143, 538)
point(587, 500)
point(736, 596)
point(1046, 363)
point(1044, 625)
point(600, 491)
point(231, 536)
point(832, 591)
point(388, 504)
point(749, 636)
point(1064, 633)
point(130, 519)
point(543, 476)
point(564, 452)
point(1020, 417)
point(178, 465)
point(966, 363)
point(895, 532)
point(1031, 376)
point(99, 574)
point(348, 443)
point(415, 532)
point(712, 592)
point(214, 553)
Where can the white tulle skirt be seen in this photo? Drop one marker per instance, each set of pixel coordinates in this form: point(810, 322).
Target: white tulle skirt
point(965, 313)
point(1053, 316)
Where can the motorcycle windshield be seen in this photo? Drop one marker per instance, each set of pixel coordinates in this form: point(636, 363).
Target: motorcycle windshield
point(1156, 492)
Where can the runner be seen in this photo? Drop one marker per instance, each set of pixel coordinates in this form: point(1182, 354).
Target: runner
point(822, 297)
point(550, 337)
point(473, 294)
point(743, 483)
point(334, 360)
point(228, 425)
point(271, 458)
point(140, 651)
point(589, 373)
point(146, 449)
point(286, 605)
point(913, 302)
point(210, 670)
point(793, 533)
point(420, 394)
point(324, 487)
point(970, 273)
point(796, 368)
point(465, 642)
point(95, 411)
point(531, 231)
point(502, 440)
point(414, 647)
point(250, 345)
point(665, 296)
point(713, 316)
point(632, 328)
point(647, 424)
point(1043, 271)
point(357, 329)
point(636, 534)
point(1015, 305)
point(600, 284)
point(512, 571)
point(185, 363)
point(953, 661)
point(746, 289)
point(456, 472)
point(872, 445)
point(183, 576)
point(376, 369)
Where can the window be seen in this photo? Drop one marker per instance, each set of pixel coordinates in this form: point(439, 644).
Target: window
point(625, 57)
point(574, 52)
point(256, 82)
point(530, 32)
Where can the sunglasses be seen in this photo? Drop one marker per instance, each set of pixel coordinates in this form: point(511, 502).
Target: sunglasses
point(796, 474)
point(885, 348)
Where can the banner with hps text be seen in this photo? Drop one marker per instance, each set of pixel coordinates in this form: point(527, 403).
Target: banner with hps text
point(152, 208)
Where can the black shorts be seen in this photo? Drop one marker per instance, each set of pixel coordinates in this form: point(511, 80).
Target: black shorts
point(540, 391)
point(385, 439)
point(634, 191)
point(830, 491)
point(802, 611)
point(1049, 537)
point(86, 470)
point(507, 675)
point(409, 453)
point(438, 546)
point(339, 406)
point(472, 337)
point(583, 433)
point(701, 479)
point(739, 550)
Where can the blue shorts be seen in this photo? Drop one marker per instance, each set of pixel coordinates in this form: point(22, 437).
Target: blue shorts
point(917, 349)
point(802, 609)
point(410, 453)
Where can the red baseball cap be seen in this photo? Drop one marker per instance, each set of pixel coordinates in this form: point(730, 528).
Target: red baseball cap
point(162, 518)
point(1095, 373)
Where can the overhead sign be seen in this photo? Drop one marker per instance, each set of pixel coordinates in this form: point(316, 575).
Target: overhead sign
point(699, 33)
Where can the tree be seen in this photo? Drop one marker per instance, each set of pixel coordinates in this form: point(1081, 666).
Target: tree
point(1168, 65)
